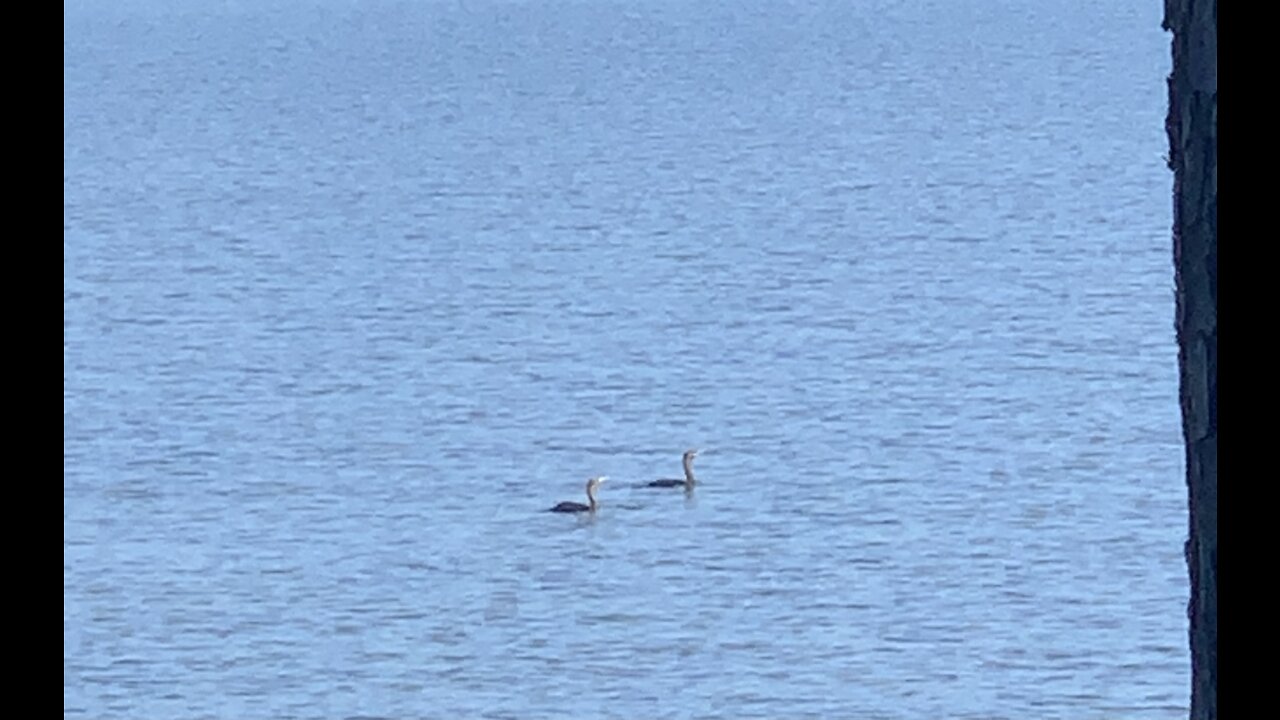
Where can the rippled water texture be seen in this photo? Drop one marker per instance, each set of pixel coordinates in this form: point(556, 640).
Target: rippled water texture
point(354, 292)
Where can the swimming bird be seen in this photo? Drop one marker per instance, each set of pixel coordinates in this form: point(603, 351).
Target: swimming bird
point(573, 507)
point(688, 481)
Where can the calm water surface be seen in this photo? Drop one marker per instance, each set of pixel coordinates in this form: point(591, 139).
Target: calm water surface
point(353, 292)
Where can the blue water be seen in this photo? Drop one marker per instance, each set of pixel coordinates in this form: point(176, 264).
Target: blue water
point(353, 292)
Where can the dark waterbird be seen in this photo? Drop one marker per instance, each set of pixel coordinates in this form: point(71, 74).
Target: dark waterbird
point(688, 481)
point(573, 507)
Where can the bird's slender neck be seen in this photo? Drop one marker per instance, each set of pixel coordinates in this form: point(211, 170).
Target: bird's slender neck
point(591, 496)
point(688, 470)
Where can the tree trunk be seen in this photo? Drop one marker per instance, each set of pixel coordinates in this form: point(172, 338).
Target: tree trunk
point(1192, 125)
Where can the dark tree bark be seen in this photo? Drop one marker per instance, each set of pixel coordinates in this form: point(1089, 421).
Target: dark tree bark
point(1192, 125)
